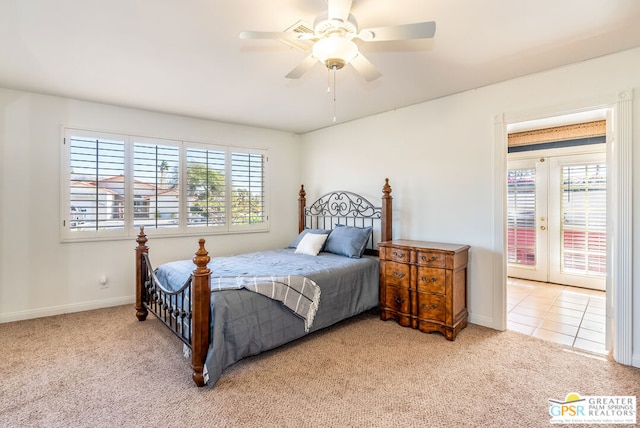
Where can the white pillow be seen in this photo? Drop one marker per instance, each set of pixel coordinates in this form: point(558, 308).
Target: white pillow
point(311, 244)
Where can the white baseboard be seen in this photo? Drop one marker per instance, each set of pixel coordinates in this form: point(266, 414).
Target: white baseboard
point(483, 321)
point(635, 360)
point(65, 309)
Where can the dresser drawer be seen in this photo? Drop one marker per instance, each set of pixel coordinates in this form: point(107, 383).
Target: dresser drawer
point(396, 254)
point(431, 280)
point(431, 258)
point(397, 299)
point(431, 307)
point(396, 274)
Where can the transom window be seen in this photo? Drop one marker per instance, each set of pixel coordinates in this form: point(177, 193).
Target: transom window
point(113, 184)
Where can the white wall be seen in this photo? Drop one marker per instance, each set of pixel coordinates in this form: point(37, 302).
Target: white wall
point(39, 275)
point(441, 161)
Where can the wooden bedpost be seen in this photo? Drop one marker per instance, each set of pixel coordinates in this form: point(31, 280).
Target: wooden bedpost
point(387, 216)
point(302, 202)
point(201, 310)
point(141, 274)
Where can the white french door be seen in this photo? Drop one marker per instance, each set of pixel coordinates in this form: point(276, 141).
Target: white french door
point(527, 219)
point(578, 231)
point(556, 219)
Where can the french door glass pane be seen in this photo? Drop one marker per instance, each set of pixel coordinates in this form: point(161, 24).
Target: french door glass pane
point(521, 210)
point(583, 213)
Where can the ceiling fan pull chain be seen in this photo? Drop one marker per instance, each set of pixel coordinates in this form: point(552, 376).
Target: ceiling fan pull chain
point(334, 94)
point(328, 80)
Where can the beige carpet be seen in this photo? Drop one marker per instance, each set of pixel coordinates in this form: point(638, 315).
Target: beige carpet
point(105, 369)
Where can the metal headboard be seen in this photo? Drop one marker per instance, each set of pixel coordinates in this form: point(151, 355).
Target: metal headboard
point(346, 208)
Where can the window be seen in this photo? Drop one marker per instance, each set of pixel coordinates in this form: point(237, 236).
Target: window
point(206, 194)
point(96, 186)
point(156, 190)
point(247, 199)
point(113, 184)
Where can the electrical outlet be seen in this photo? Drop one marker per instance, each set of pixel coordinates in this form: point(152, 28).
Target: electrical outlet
point(104, 283)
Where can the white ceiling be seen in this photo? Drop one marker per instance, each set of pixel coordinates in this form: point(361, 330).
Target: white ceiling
point(184, 56)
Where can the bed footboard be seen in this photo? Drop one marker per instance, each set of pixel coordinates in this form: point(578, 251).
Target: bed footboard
point(186, 311)
point(141, 275)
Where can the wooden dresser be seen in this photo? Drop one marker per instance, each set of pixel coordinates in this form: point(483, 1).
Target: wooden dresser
point(423, 285)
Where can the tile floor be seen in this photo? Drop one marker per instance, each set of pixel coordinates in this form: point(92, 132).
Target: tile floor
point(568, 315)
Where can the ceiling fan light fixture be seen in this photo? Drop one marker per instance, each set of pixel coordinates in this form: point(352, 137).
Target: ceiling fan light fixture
point(335, 52)
point(333, 33)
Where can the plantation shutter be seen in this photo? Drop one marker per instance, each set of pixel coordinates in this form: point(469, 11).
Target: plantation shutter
point(521, 208)
point(156, 197)
point(114, 184)
point(96, 184)
point(584, 219)
point(248, 188)
point(206, 196)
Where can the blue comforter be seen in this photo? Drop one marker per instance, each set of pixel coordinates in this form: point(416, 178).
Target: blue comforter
point(246, 323)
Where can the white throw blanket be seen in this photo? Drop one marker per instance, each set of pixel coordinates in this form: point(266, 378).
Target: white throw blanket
point(298, 293)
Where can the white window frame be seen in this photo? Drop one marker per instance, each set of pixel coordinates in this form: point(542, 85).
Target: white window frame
point(182, 228)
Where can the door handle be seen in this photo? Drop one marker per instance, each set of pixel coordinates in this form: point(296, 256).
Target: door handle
point(543, 228)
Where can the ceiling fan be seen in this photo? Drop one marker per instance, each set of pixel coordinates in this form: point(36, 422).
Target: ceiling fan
point(333, 35)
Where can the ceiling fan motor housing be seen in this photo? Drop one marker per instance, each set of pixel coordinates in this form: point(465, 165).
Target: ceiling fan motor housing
point(335, 47)
point(323, 26)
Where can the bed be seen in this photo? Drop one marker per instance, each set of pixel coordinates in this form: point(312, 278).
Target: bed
point(228, 308)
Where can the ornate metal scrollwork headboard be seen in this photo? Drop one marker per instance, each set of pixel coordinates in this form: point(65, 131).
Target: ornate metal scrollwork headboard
point(346, 208)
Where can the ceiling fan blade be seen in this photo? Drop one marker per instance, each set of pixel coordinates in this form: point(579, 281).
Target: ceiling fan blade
point(339, 9)
point(365, 68)
point(287, 35)
point(419, 30)
point(302, 68)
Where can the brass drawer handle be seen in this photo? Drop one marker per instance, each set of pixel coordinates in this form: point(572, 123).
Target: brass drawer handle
point(398, 254)
point(429, 260)
point(425, 279)
point(429, 307)
point(399, 300)
point(399, 274)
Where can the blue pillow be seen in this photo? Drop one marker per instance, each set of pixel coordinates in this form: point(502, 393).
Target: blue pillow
point(348, 240)
point(296, 241)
